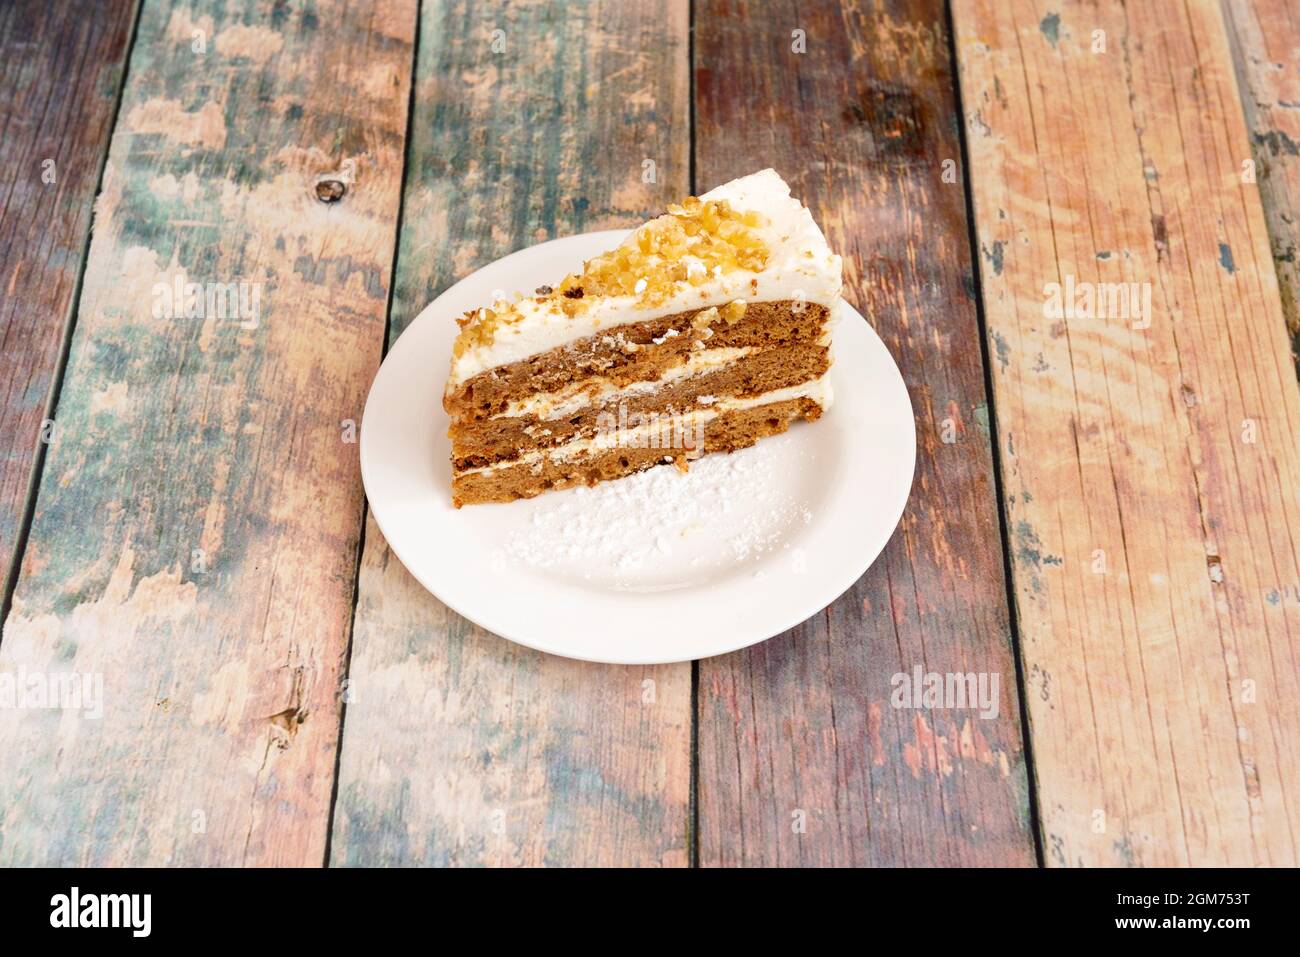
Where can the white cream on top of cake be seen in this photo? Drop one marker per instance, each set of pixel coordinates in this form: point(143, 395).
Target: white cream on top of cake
point(565, 402)
point(800, 267)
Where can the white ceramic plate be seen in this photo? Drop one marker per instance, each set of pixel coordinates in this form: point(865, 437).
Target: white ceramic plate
point(660, 566)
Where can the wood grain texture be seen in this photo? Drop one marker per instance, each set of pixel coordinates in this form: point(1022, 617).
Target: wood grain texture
point(60, 72)
point(195, 539)
point(1265, 38)
point(804, 757)
point(1151, 472)
point(532, 120)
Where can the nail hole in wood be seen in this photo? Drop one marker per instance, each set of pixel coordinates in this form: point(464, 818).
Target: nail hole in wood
point(330, 190)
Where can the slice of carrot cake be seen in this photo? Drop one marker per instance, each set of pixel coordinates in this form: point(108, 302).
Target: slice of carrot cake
point(708, 329)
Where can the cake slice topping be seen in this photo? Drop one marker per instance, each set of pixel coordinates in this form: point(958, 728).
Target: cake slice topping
point(747, 239)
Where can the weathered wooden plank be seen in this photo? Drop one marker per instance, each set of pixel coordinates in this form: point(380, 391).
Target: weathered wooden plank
point(533, 120)
point(1152, 477)
point(196, 532)
point(1265, 37)
point(60, 72)
point(804, 757)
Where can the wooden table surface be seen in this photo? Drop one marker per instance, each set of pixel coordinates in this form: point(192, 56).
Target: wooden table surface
point(1106, 508)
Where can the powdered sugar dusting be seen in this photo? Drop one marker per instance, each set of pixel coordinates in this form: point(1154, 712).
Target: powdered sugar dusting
point(664, 529)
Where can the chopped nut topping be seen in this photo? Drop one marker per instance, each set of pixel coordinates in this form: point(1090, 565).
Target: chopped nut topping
point(704, 318)
point(694, 240)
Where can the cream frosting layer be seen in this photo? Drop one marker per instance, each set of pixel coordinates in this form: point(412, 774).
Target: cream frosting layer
point(563, 403)
point(819, 390)
point(800, 267)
